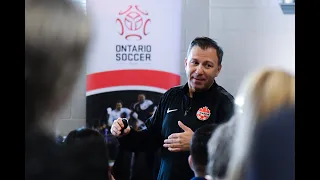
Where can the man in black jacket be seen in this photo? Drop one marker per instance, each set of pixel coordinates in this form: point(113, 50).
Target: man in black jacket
point(181, 111)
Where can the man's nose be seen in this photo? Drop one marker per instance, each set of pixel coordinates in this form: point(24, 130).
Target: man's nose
point(199, 70)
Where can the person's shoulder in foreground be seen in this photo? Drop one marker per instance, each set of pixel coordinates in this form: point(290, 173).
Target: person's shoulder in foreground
point(81, 161)
point(274, 147)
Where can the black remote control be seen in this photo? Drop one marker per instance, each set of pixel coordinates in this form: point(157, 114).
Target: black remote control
point(125, 123)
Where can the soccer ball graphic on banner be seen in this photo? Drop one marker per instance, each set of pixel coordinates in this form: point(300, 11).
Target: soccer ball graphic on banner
point(133, 23)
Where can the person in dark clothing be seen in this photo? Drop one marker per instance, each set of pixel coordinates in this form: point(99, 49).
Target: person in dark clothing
point(143, 163)
point(122, 168)
point(45, 159)
point(56, 37)
point(144, 107)
point(83, 134)
point(198, 158)
point(181, 111)
point(87, 136)
point(274, 148)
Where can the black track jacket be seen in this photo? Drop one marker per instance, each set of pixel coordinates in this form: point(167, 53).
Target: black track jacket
point(214, 105)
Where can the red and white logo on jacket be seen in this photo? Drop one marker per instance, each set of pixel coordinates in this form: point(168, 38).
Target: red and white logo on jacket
point(203, 113)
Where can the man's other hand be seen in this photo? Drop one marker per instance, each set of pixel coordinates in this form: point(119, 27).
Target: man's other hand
point(179, 141)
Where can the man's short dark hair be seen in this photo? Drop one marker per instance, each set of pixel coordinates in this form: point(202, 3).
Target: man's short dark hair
point(205, 43)
point(198, 149)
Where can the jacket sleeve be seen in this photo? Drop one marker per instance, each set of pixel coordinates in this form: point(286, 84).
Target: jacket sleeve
point(149, 139)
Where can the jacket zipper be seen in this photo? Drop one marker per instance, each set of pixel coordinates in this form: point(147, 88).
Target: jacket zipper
point(189, 101)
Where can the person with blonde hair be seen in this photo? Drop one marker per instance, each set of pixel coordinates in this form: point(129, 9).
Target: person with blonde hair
point(259, 95)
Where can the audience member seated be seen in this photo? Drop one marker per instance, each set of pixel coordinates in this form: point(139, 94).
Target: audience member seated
point(219, 150)
point(198, 158)
point(84, 134)
point(274, 148)
point(56, 37)
point(90, 136)
point(259, 95)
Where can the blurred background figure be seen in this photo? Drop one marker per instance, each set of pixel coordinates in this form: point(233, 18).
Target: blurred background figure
point(119, 111)
point(56, 38)
point(144, 107)
point(259, 95)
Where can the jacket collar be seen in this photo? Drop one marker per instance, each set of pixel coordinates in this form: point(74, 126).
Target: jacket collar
point(204, 93)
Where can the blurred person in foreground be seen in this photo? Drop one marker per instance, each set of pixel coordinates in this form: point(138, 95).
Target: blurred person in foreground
point(56, 38)
point(181, 111)
point(84, 135)
point(219, 147)
point(199, 153)
point(260, 93)
point(273, 150)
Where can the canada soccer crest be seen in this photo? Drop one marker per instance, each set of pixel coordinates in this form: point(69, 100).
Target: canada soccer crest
point(203, 113)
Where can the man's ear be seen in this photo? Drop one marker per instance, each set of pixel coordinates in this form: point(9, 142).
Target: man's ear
point(219, 69)
point(185, 62)
point(190, 162)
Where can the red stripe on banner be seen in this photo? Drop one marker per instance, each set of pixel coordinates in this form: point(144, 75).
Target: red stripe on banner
point(132, 77)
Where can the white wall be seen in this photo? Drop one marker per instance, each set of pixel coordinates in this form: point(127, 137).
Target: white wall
point(253, 33)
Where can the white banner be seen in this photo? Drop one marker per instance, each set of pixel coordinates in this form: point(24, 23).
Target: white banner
point(136, 45)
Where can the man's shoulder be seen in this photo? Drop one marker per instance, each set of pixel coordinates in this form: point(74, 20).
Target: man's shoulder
point(173, 90)
point(225, 94)
point(172, 93)
point(176, 88)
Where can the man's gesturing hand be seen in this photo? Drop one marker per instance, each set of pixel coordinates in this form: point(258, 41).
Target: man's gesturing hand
point(179, 141)
point(117, 126)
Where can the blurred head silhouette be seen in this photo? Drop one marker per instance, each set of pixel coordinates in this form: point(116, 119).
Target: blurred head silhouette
point(260, 93)
point(83, 134)
point(56, 38)
point(219, 150)
point(198, 157)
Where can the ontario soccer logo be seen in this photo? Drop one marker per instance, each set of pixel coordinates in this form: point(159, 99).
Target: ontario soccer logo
point(133, 23)
point(203, 113)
